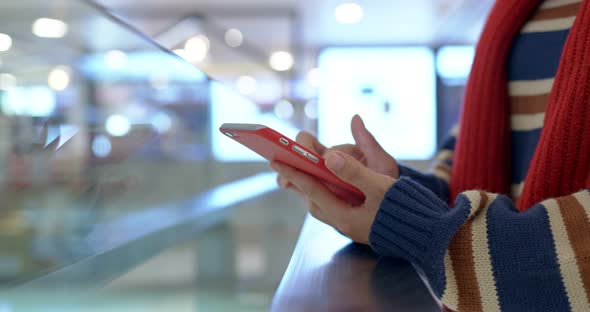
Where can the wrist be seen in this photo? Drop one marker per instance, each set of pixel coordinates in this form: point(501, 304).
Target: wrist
point(414, 224)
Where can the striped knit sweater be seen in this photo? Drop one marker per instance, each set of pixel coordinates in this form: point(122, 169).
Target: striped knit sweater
point(484, 255)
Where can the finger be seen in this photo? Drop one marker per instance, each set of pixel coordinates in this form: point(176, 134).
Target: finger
point(349, 149)
point(316, 212)
point(309, 141)
point(295, 189)
point(310, 187)
point(363, 138)
point(351, 171)
point(282, 182)
point(285, 184)
point(314, 209)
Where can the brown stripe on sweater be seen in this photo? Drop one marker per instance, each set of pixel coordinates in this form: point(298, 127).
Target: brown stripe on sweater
point(568, 10)
point(577, 226)
point(461, 252)
point(532, 104)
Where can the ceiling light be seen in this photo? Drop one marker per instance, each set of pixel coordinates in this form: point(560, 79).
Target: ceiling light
point(180, 52)
point(234, 37)
point(101, 146)
point(284, 109)
point(117, 125)
point(246, 85)
point(5, 42)
point(59, 78)
point(197, 48)
point(161, 122)
point(115, 59)
point(281, 61)
point(349, 13)
point(50, 28)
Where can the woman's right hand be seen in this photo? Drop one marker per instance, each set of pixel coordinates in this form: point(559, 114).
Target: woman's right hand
point(366, 150)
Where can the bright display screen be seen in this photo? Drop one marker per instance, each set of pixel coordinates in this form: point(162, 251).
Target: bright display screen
point(392, 88)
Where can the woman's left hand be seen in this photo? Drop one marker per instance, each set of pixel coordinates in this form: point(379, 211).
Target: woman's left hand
point(353, 221)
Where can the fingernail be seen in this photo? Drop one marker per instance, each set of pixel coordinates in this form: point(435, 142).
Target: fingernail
point(335, 162)
point(360, 119)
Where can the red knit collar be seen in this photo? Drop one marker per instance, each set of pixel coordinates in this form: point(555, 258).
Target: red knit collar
point(561, 163)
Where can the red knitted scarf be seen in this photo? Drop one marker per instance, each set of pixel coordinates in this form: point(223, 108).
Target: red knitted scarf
point(561, 163)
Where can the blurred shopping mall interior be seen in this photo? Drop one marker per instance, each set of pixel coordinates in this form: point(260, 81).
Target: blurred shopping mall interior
point(119, 193)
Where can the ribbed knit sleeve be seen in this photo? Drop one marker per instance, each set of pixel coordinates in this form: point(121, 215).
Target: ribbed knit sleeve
point(485, 255)
point(430, 181)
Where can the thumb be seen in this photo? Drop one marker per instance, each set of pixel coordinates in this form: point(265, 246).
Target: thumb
point(363, 138)
point(350, 170)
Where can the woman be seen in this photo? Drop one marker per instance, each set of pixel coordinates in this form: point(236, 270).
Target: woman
point(502, 223)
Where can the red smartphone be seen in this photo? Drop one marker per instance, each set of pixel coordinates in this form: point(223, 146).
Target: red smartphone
point(272, 145)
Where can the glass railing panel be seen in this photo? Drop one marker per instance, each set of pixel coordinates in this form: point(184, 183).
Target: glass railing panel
point(106, 138)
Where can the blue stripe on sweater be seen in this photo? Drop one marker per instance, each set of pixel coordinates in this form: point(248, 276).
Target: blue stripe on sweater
point(523, 147)
point(536, 55)
point(524, 259)
point(449, 143)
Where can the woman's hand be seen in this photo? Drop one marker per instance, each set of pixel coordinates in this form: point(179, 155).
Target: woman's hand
point(366, 150)
point(353, 221)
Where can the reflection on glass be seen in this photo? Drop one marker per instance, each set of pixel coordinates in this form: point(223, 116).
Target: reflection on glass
point(95, 123)
point(109, 153)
